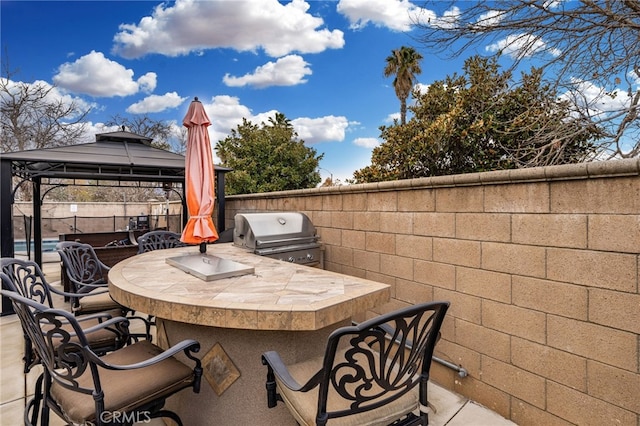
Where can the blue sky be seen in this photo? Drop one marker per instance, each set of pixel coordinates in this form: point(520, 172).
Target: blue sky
point(318, 62)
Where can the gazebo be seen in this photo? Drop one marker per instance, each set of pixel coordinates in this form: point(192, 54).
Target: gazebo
point(113, 158)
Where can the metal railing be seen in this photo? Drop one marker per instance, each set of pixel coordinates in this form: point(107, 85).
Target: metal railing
point(52, 227)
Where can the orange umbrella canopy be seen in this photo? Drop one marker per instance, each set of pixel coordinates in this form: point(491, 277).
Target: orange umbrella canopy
point(199, 175)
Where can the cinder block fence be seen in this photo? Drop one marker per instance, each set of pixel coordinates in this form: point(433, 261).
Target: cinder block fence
point(540, 265)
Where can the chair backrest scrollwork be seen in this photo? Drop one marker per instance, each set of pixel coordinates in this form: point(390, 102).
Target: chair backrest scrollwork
point(26, 278)
point(158, 240)
point(82, 266)
point(381, 359)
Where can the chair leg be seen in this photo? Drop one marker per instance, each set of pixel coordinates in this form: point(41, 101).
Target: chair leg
point(170, 414)
point(410, 420)
point(46, 388)
point(272, 395)
point(148, 324)
point(424, 399)
point(32, 409)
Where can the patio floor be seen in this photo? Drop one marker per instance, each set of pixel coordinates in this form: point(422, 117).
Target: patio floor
point(16, 387)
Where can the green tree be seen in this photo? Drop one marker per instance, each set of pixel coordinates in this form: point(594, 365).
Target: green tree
point(479, 121)
point(589, 51)
point(404, 63)
point(267, 157)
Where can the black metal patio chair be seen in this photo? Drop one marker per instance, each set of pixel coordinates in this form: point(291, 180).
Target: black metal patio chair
point(85, 274)
point(368, 374)
point(27, 279)
point(123, 387)
point(89, 276)
point(158, 240)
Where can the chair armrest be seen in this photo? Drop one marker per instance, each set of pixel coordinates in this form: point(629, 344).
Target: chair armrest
point(70, 294)
point(100, 316)
point(104, 267)
point(95, 284)
point(188, 346)
point(118, 322)
point(118, 326)
point(272, 359)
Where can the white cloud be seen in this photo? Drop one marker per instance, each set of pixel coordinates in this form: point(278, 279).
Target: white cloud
point(449, 18)
point(354, 126)
point(391, 117)
point(148, 82)
point(287, 71)
point(489, 19)
point(322, 129)
point(521, 46)
point(156, 103)
point(95, 75)
point(245, 25)
point(225, 113)
point(367, 142)
point(597, 100)
point(552, 4)
point(397, 15)
point(421, 88)
point(92, 129)
point(54, 94)
point(635, 78)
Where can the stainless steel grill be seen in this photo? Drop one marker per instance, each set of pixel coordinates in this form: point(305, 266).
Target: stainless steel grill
point(286, 236)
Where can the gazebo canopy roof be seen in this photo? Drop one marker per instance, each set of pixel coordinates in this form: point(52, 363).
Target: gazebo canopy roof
point(114, 156)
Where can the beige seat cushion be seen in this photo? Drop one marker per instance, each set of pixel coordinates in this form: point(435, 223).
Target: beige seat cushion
point(94, 301)
point(304, 405)
point(102, 338)
point(125, 389)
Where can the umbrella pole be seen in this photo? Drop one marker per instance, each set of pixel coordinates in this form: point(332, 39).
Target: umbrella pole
point(203, 247)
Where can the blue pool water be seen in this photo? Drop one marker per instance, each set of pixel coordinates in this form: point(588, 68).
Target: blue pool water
point(21, 246)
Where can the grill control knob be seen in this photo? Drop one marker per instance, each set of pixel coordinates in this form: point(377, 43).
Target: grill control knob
point(291, 259)
point(309, 256)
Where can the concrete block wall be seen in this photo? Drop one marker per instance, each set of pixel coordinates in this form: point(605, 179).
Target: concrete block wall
point(58, 217)
point(540, 266)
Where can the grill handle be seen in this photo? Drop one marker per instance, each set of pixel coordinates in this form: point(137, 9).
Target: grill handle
point(296, 240)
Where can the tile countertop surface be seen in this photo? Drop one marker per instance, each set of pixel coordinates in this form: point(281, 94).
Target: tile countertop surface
point(277, 296)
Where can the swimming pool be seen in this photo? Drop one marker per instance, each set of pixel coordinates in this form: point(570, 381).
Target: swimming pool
point(20, 246)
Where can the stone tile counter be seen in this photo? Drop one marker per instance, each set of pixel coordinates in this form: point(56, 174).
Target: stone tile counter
point(277, 296)
point(281, 306)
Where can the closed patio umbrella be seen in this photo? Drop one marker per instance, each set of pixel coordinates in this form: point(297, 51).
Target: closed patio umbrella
point(199, 177)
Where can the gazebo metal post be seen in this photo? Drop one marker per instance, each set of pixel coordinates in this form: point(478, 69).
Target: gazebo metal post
point(37, 221)
point(220, 201)
point(6, 222)
point(185, 214)
point(6, 207)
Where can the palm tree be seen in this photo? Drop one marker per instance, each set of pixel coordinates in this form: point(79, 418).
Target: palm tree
point(280, 120)
point(404, 63)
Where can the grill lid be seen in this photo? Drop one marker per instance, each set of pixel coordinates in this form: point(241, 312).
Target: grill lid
point(279, 229)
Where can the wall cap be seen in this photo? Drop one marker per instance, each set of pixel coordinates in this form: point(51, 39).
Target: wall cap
point(589, 170)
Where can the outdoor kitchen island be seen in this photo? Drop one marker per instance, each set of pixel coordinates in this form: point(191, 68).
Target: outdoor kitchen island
point(281, 306)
